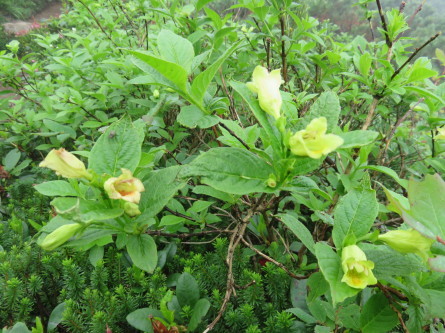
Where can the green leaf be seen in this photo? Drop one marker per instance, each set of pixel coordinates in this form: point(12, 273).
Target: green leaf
point(171, 71)
point(96, 254)
point(349, 316)
point(328, 106)
point(161, 186)
point(302, 315)
point(199, 311)
point(176, 49)
point(187, 290)
point(427, 201)
point(330, 266)
point(139, 319)
point(56, 188)
point(56, 317)
point(377, 316)
point(299, 230)
point(202, 81)
point(191, 116)
point(11, 159)
point(365, 63)
point(119, 147)
point(259, 114)
point(358, 138)
point(19, 328)
point(201, 3)
point(354, 215)
point(389, 172)
point(231, 170)
point(143, 252)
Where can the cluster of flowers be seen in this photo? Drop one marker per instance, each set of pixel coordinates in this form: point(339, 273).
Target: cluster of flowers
point(125, 187)
point(312, 141)
point(315, 143)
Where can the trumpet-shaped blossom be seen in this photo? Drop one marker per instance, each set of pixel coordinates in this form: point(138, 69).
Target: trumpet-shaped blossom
point(357, 269)
point(125, 187)
point(65, 164)
point(313, 141)
point(408, 241)
point(267, 86)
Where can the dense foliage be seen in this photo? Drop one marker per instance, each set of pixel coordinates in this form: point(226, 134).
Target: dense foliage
point(175, 166)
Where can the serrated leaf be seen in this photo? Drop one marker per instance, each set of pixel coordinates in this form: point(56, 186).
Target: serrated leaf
point(171, 71)
point(119, 147)
point(176, 49)
point(354, 215)
point(191, 116)
point(377, 316)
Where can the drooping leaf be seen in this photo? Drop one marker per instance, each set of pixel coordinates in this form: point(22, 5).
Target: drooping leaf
point(300, 231)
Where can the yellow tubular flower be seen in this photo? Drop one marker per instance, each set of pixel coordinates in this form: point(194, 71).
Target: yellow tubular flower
point(357, 269)
point(60, 236)
point(408, 241)
point(125, 187)
point(313, 141)
point(65, 164)
point(267, 86)
point(441, 135)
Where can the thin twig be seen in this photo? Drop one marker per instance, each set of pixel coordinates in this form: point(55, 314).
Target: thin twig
point(392, 306)
point(273, 261)
point(384, 25)
point(398, 70)
point(232, 133)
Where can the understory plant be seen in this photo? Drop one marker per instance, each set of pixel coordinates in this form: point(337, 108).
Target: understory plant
point(238, 171)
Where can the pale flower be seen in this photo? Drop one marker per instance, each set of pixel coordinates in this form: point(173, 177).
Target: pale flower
point(267, 86)
point(313, 141)
point(357, 269)
point(65, 164)
point(125, 187)
point(408, 241)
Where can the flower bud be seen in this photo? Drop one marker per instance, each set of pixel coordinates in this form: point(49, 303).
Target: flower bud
point(408, 241)
point(272, 181)
point(313, 141)
point(131, 209)
point(267, 86)
point(358, 270)
point(125, 187)
point(60, 236)
point(65, 164)
point(156, 93)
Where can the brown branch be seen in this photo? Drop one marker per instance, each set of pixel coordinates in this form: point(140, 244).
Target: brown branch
point(371, 112)
point(398, 70)
point(186, 235)
point(283, 49)
point(392, 306)
point(384, 25)
point(237, 236)
point(273, 261)
point(232, 133)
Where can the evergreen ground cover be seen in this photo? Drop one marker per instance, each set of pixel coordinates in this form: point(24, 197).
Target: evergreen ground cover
point(197, 166)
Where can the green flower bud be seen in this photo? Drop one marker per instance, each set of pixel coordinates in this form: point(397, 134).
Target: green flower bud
point(358, 270)
point(60, 236)
point(272, 181)
point(313, 141)
point(408, 241)
point(131, 209)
